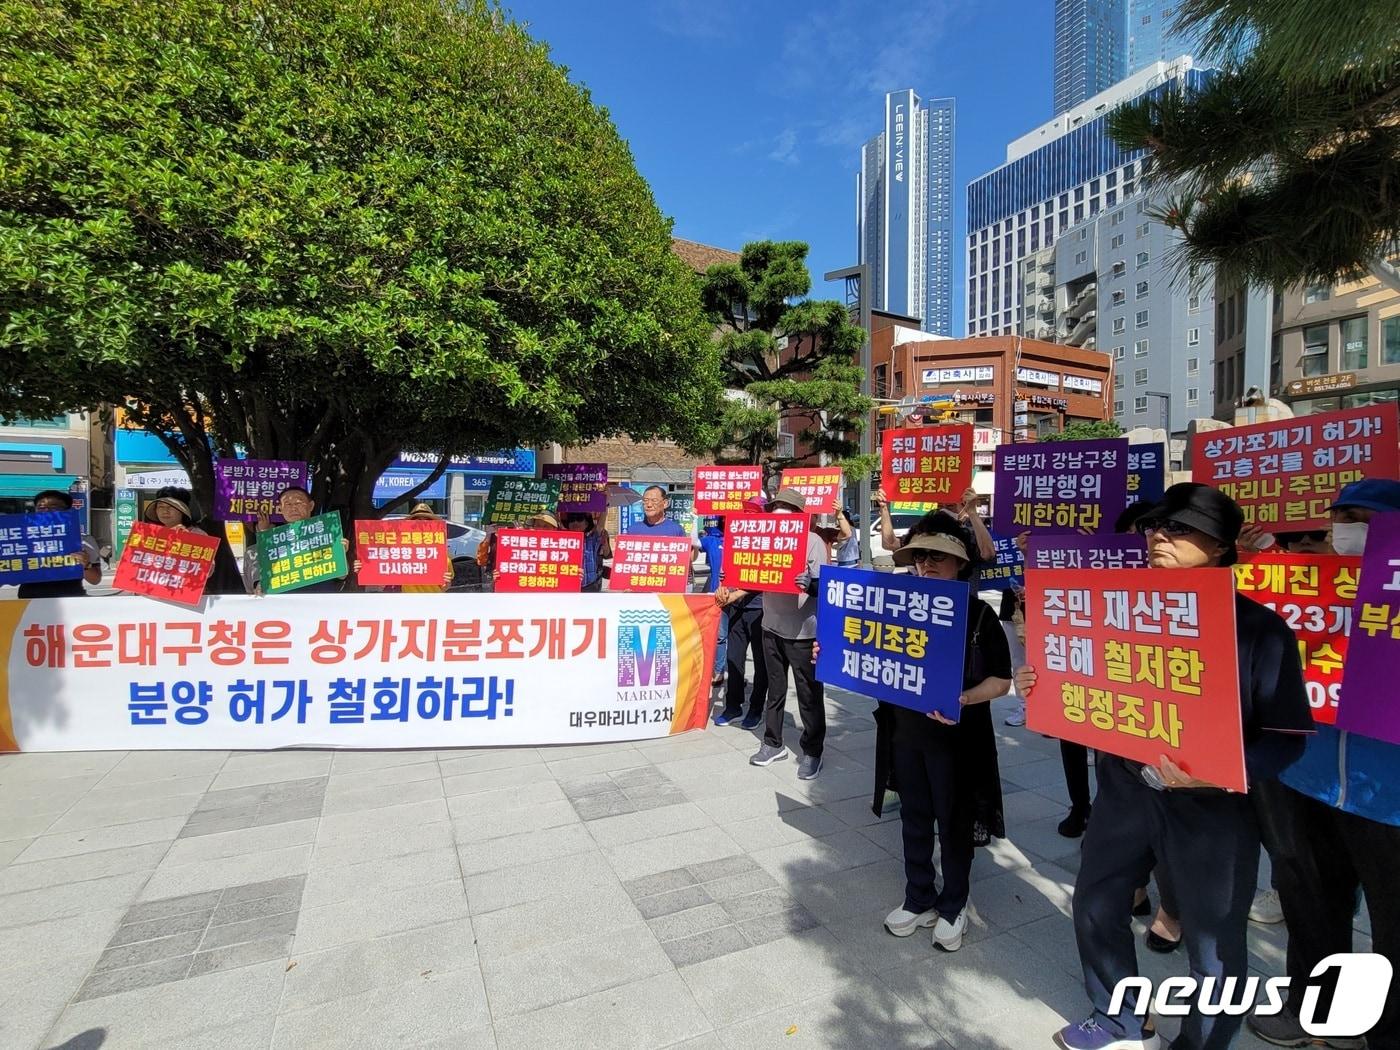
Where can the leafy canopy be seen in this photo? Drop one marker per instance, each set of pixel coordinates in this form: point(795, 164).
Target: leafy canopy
point(784, 355)
point(1286, 168)
point(330, 230)
point(1086, 430)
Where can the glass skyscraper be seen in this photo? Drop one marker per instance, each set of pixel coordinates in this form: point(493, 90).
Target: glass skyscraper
point(904, 210)
point(1091, 53)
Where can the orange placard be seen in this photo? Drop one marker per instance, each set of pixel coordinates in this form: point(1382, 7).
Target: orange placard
point(401, 552)
point(820, 486)
point(173, 564)
point(537, 560)
point(927, 465)
point(764, 552)
point(650, 563)
point(1139, 663)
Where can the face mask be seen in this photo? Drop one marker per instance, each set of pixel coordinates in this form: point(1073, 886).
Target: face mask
point(1349, 537)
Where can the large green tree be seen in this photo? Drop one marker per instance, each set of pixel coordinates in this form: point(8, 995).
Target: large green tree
point(1286, 168)
point(330, 230)
point(1086, 430)
point(784, 355)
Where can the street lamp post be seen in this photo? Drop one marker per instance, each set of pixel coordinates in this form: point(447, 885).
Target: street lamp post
point(1167, 419)
point(857, 280)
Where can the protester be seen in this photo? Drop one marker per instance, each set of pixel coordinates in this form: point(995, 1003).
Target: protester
point(89, 555)
point(1336, 812)
point(789, 631)
point(597, 547)
point(1205, 836)
point(847, 547)
point(939, 764)
point(173, 509)
point(1012, 605)
point(294, 503)
point(420, 512)
point(741, 634)
point(712, 543)
point(654, 520)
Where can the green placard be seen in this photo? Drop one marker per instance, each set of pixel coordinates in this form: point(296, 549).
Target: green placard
point(301, 553)
point(124, 516)
point(513, 500)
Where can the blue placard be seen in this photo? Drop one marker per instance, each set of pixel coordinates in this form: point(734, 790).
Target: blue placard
point(893, 636)
point(1147, 472)
point(41, 547)
point(1007, 570)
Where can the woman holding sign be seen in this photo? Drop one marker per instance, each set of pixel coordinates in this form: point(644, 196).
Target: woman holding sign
point(1205, 836)
point(172, 509)
point(940, 765)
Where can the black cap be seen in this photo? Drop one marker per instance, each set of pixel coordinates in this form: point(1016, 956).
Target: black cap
point(1205, 509)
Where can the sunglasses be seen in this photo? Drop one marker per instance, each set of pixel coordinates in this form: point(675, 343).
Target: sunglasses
point(1167, 527)
point(936, 557)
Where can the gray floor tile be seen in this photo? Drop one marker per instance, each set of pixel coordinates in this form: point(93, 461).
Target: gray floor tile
point(143, 952)
point(770, 927)
point(740, 885)
point(290, 884)
point(689, 922)
point(186, 922)
point(260, 908)
point(247, 953)
point(251, 930)
point(708, 944)
point(764, 902)
point(723, 867)
point(675, 900)
point(661, 882)
point(438, 1009)
point(655, 1012)
point(111, 982)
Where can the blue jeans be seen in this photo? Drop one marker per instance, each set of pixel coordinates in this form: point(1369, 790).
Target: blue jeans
point(721, 644)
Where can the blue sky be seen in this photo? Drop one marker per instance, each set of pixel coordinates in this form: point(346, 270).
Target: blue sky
point(747, 117)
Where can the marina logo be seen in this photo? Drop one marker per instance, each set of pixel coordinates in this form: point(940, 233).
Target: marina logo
point(644, 649)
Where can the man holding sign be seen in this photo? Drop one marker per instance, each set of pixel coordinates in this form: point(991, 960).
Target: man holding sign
point(1159, 812)
point(789, 633)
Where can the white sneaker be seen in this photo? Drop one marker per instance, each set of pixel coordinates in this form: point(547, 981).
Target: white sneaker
point(1266, 908)
point(901, 922)
point(949, 935)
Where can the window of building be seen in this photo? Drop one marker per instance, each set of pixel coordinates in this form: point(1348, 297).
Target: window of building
point(1230, 316)
point(1140, 321)
point(1120, 268)
point(1118, 381)
point(1143, 258)
point(1120, 297)
point(1193, 304)
point(1139, 377)
point(1193, 366)
point(1144, 230)
point(1141, 290)
point(1078, 213)
point(1193, 395)
point(1147, 20)
point(1354, 339)
point(1141, 207)
point(1115, 218)
point(1139, 405)
point(1118, 353)
point(1193, 337)
point(1390, 341)
point(1084, 234)
point(1316, 293)
point(1080, 257)
point(1219, 380)
point(1276, 363)
point(1117, 408)
point(1315, 350)
point(1140, 348)
point(1120, 325)
point(1117, 241)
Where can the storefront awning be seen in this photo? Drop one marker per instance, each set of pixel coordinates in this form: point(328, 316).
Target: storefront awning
point(23, 486)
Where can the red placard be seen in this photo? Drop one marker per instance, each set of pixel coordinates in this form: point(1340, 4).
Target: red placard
point(764, 552)
point(1139, 663)
point(723, 490)
point(821, 487)
point(927, 465)
point(650, 563)
point(1314, 594)
point(166, 563)
point(401, 552)
point(534, 560)
point(1285, 474)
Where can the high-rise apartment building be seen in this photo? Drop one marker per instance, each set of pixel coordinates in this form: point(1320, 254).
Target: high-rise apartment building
point(1152, 35)
point(1067, 170)
point(904, 210)
point(1090, 49)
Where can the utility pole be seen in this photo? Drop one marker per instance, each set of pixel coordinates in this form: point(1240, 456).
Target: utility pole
point(857, 280)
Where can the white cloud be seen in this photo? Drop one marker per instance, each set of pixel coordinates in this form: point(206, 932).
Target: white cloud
point(784, 149)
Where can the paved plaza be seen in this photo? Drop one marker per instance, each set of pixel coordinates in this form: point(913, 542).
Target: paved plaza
point(636, 895)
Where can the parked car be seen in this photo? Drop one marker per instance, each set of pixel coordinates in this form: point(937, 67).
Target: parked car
point(880, 557)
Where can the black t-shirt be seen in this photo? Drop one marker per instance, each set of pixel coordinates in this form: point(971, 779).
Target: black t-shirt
point(1272, 694)
point(986, 656)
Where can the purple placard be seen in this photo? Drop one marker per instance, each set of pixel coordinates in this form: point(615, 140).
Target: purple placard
point(581, 486)
point(1072, 551)
point(1060, 486)
point(245, 488)
point(1368, 703)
